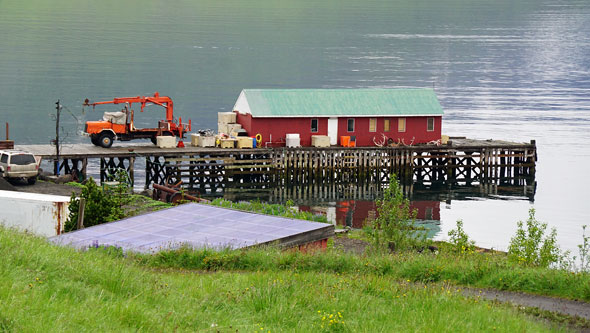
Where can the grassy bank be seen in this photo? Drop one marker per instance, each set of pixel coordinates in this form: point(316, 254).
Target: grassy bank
point(47, 288)
point(487, 270)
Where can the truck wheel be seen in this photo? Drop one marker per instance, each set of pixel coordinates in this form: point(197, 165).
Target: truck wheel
point(154, 140)
point(106, 140)
point(94, 140)
point(32, 180)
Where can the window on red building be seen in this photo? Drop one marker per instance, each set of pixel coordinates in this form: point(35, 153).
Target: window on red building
point(350, 125)
point(401, 125)
point(314, 125)
point(372, 124)
point(430, 124)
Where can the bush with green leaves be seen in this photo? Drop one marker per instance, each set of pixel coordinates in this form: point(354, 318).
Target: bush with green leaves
point(101, 206)
point(394, 229)
point(584, 250)
point(532, 247)
point(460, 241)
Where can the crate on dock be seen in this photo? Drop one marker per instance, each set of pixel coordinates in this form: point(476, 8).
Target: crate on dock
point(320, 141)
point(226, 117)
point(166, 141)
point(228, 143)
point(222, 128)
point(194, 139)
point(245, 142)
point(207, 141)
point(233, 128)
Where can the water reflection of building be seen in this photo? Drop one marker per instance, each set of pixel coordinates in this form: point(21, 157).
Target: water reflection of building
point(353, 205)
point(355, 213)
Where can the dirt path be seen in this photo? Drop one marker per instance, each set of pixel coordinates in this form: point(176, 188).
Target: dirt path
point(553, 304)
point(42, 187)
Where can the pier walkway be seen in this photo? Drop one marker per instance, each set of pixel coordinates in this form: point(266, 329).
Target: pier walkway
point(210, 170)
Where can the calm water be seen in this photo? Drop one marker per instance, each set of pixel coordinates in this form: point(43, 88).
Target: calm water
point(513, 70)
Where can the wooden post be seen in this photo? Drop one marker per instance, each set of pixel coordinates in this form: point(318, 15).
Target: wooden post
point(82, 205)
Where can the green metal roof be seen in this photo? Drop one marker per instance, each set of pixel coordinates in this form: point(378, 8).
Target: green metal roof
point(342, 102)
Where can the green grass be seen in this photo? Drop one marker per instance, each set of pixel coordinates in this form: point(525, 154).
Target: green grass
point(48, 288)
point(486, 270)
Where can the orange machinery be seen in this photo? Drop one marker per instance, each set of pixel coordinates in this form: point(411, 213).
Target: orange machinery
point(119, 125)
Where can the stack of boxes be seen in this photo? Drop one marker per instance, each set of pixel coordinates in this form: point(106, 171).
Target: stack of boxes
point(226, 123)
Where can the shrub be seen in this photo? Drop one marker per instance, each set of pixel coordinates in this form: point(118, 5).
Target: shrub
point(531, 246)
point(584, 250)
point(460, 241)
point(100, 207)
point(394, 228)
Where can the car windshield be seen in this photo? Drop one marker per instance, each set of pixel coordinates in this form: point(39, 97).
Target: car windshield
point(22, 159)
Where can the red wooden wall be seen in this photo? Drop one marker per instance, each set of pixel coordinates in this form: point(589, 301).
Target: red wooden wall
point(279, 127)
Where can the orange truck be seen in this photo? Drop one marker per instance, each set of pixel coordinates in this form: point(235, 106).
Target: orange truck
point(119, 125)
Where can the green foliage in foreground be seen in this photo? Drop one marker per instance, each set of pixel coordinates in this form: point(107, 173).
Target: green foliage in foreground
point(485, 270)
point(100, 207)
point(459, 240)
point(285, 210)
point(106, 205)
point(530, 246)
point(47, 288)
point(394, 229)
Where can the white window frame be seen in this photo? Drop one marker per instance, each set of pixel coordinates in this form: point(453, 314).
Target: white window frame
point(428, 123)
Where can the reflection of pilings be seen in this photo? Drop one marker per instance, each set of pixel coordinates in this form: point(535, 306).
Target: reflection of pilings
point(367, 191)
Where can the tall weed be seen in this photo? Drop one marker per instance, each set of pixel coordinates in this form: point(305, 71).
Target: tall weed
point(460, 241)
point(532, 247)
point(394, 227)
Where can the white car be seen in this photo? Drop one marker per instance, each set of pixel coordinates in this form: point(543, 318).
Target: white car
point(15, 164)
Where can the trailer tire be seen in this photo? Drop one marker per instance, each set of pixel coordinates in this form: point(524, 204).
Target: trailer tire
point(106, 140)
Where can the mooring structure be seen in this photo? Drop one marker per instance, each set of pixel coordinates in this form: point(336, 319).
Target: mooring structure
point(214, 170)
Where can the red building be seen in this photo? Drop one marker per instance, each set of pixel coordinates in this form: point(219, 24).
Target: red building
point(370, 116)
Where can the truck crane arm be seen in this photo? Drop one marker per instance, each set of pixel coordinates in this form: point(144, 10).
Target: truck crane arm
point(163, 101)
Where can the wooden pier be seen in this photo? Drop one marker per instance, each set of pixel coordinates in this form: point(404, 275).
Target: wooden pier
point(214, 170)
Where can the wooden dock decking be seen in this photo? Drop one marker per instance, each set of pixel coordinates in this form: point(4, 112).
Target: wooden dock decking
point(210, 170)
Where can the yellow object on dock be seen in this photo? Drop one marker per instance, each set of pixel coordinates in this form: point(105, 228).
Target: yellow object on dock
point(245, 142)
point(228, 143)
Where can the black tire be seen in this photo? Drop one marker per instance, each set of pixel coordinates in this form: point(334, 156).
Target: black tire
point(154, 140)
point(94, 140)
point(106, 140)
point(32, 180)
